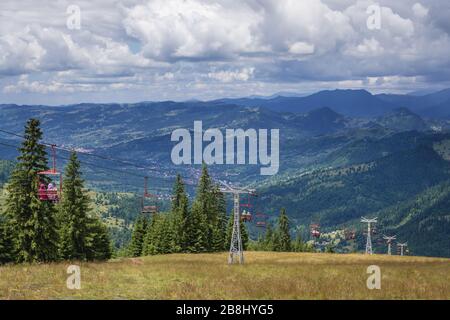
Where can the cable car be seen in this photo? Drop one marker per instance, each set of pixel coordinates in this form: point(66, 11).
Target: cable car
point(149, 201)
point(315, 230)
point(246, 216)
point(260, 220)
point(350, 235)
point(50, 182)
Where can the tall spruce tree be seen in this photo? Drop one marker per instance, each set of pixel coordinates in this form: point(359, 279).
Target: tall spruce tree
point(150, 238)
point(180, 216)
point(99, 243)
point(284, 238)
point(73, 215)
point(269, 238)
point(220, 225)
point(32, 221)
point(138, 235)
point(299, 245)
point(203, 214)
point(6, 242)
point(82, 236)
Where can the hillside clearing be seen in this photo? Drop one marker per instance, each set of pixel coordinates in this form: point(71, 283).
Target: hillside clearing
point(266, 275)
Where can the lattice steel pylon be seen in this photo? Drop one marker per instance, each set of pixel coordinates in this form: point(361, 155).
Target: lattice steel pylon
point(402, 245)
point(389, 240)
point(236, 249)
point(369, 233)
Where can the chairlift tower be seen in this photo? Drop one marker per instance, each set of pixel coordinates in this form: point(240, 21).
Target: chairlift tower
point(402, 245)
point(389, 242)
point(369, 233)
point(236, 250)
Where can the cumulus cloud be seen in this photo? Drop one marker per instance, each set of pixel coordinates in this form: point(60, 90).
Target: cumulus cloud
point(229, 76)
point(232, 46)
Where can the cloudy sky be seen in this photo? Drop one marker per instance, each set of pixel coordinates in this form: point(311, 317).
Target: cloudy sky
point(130, 50)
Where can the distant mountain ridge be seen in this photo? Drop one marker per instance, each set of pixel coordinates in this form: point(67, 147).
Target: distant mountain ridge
point(354, 103)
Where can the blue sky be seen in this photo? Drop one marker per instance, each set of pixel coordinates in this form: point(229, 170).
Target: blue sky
point(129, 50)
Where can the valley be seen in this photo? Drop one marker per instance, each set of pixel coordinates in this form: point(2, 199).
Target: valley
point(343, 154)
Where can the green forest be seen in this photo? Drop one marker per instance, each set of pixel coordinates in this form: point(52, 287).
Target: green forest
point(76, 228)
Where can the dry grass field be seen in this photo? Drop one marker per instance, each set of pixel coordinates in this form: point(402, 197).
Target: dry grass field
point(207, 276)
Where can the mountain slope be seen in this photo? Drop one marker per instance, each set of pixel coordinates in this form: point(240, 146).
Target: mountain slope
point(341, 196)
point(352, 103)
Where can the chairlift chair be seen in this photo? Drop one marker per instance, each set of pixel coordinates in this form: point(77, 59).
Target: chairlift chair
point(152, 207)
point(50, 191)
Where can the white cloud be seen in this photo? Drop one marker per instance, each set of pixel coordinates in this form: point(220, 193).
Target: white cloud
point(419, 10)
point(301, 48)
point(228, 76)
point(178, 45)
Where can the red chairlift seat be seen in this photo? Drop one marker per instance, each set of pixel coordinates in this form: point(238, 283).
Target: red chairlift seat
point(315, 230)
point(51, 191)
point(350, 235)
point(246, 216)
point(260, 219)
point(151, 208)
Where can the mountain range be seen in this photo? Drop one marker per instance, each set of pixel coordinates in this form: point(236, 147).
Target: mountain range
point(343, 154)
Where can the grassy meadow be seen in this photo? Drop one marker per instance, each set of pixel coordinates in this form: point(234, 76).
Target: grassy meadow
point(266, 275)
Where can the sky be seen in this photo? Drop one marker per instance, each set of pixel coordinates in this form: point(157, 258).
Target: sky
point(56, 52)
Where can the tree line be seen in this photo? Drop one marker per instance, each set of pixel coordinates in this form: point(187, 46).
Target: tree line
point(33, 230)
point(202, 226)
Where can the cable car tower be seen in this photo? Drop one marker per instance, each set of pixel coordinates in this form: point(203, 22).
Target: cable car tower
point(236, 250)
point(401, 246)
point(369, 232)
point(50, 192)
point(389, 242)
point(152, 208)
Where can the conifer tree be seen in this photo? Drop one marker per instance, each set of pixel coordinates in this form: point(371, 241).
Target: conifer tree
point(99, 243)
point(73, 215)
point(203, 215)
point(298, 245)
point(269, 238)
point(6, 242)
point(32, 221)
point(198, 229)
point(138, 236)
point(178, 193)
point(82, 236)
point(220, 225)
point(180, 216)
point(149, 245)
point(284, 238)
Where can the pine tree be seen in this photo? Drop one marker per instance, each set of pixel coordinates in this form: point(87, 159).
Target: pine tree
point(73, 215)
point(82, 236)
point(220, 225)
point(32, 221)
point(180, 215)
point(6, 242)
point(179, 193)
point(284, 240)
point(149, 246)
point(269, 238)
point(204, 211)
point(98, 242)
point(298, 245)
point(138, 236)
point(198, 229)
